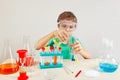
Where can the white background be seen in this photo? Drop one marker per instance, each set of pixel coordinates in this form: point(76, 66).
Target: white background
point(36, 18)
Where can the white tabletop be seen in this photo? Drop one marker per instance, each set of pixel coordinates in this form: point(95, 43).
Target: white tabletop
point(65, 73)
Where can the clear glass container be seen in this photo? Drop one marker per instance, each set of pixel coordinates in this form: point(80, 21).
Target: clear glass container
point(74, 56)
point(108, 62)
point(29, 59)
point(8, 64)
point(30, 52)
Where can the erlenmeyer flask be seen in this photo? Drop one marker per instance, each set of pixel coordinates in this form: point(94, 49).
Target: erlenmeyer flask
point(108, 63)
point(30, 54)
point(8, 64)
point(27, 44)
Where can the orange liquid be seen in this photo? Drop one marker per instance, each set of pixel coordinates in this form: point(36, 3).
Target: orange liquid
point(9, 68)
point(47, 63)
point(55, 59)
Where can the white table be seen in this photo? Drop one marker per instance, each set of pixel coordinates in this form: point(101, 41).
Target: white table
point(65, 73)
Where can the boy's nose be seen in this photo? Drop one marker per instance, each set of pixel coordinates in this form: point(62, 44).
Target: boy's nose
point(67, 29)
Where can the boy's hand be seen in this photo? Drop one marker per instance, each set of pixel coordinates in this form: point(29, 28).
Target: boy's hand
point(62, 35)
point(77, 47)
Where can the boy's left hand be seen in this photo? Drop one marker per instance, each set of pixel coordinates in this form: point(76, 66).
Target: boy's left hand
point(76, 47)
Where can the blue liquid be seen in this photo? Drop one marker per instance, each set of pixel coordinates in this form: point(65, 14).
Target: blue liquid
point(108, 67)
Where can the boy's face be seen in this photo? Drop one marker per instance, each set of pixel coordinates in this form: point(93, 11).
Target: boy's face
point(67, 25)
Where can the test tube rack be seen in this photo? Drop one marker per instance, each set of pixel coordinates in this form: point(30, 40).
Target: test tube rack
point(51, 57)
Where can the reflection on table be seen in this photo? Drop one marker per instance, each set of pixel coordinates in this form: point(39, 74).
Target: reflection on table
point(84, 69)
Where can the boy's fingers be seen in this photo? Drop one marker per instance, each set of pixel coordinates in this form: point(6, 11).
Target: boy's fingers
point(65, 33)
point(64, 37)
point(71, 45)
point(76, 46)
point(76, 42)
point(77, 50)
point(60, 37)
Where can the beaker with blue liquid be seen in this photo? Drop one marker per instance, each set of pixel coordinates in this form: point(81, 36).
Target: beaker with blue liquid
point(108, 63)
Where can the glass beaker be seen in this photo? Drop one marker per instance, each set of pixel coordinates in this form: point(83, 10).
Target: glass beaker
point(108, 63)
point(30, 54)
point(8, 64)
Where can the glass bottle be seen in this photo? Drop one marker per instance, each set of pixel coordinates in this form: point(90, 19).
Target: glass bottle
point(108, 63)
point(8, 64)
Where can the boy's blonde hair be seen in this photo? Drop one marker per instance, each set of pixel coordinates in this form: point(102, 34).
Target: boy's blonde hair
point(67, 15)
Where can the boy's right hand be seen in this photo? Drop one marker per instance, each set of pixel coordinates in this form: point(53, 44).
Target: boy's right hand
point(62, 35)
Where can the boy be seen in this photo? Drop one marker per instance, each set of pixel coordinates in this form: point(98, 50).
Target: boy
point(66, 25)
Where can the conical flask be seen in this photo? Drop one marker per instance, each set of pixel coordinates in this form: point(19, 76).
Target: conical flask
point(27, 44)
point(108, 62)
point(8, 64)
point(30, 54)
